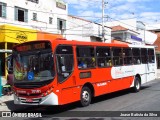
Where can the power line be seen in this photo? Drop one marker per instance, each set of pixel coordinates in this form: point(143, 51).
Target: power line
point(82, 25)
point(15, 31)
point(74, 15)
point(37, 21)
point(37, 10)
point(44, 11)
point(50, 12)
point(59, 14)
point(51, 28)
point(122, 22)
point(154, 27)
point(131, 25)
point(84, 1)
point(27, 25)
point(65, 34)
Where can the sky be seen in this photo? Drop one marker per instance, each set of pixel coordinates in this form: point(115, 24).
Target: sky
point(147, 11)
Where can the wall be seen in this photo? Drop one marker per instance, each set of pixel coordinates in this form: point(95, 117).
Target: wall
point(47, 6)
point(78, 29)
point(153, 26)
point(157, 43)
point(130, 23)
point(83, 30)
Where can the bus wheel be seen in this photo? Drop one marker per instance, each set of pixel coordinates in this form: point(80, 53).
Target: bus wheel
point(137, 84)
point(85, 96)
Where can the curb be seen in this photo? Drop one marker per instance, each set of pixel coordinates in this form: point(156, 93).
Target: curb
point(3, 104)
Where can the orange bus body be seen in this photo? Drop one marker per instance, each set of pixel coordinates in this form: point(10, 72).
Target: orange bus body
point(100, 82)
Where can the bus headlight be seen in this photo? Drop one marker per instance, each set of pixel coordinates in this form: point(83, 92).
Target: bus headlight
point(47, 92)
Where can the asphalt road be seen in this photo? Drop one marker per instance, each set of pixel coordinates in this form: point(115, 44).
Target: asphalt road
point(109, 106)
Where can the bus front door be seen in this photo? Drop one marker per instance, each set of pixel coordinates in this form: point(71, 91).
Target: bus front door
point(65, 74)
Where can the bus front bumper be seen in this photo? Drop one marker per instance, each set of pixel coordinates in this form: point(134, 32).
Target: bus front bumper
point(51, 99)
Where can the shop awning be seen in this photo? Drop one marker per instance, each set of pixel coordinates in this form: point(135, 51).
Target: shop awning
point(14, 34)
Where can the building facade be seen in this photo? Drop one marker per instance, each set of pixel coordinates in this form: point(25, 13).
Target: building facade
point(126, 35)
point(156, 30)
point(135, 30)
point(26, 20)
point(84, 30)
point(49, 15)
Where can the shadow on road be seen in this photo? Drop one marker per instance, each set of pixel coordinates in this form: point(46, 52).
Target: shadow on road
point(12, 107)
point(115, 94)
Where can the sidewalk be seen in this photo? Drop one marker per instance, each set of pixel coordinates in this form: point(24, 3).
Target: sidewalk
point(7, 103)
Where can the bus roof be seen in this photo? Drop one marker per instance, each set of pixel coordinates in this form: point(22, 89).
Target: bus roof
point(61, 41)
point(115, 44)
point(84, 43)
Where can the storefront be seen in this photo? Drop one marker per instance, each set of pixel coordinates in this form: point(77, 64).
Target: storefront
point(12, 35)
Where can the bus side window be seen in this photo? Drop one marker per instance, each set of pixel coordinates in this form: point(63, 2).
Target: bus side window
point(151, 58)
point(117, 56)
point(65, 62)
point(144, 55)
point(136, 55)
point(103, 56)
point(127, 56)
point(85, 57)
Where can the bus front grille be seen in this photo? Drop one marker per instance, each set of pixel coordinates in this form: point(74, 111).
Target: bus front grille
point(30, 100)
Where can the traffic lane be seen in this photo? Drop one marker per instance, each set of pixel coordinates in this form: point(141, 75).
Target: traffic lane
point(147, 99)
point(124, 100)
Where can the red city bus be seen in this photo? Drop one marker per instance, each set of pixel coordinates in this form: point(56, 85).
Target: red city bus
point(57, 72)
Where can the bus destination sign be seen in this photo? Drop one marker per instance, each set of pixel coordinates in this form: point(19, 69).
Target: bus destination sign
point(29, 47)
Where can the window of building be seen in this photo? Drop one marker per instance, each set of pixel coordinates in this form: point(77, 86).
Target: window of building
point(151, 57)
point(86, 57)
point(65, 62)
point(50, 20)
point(35, 16)
point(117, 56)
point(136, 55)
point(103, 57)
point(127, 56)
point(21, 14)
point(3, 10)
point(61, 24)
point(144, 55)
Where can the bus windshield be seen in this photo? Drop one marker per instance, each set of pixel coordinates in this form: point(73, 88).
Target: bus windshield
point(33, 66)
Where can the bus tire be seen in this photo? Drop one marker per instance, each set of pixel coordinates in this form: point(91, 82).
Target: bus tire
point(137, 85)
point(85, 96)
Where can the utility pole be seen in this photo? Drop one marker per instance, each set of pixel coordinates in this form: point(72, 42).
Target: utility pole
point(103, 40)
